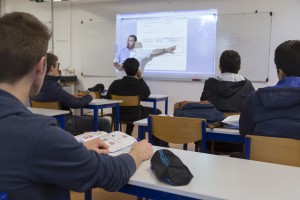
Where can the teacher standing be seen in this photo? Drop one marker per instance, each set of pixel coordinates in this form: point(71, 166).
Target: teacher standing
point(138, 53)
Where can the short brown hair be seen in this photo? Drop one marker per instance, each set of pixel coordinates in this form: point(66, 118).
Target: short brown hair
point(51, 61)
point(23, 41)
point(287, 57)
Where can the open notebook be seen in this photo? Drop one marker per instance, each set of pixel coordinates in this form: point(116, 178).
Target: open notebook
point(231, 121)
point(115, 140)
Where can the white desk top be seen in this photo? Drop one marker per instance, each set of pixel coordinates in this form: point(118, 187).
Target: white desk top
point(218, 177)
point(48, 112)
point(144, 122)
point(157, 96)
point(99, 102)
point(141, 122)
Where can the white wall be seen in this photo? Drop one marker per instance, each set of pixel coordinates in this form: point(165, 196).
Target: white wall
point(285, 26)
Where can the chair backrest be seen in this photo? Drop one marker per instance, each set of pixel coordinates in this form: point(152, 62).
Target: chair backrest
point(177, 130)
point(283, 151)
point(49, 105)
point(83, 93)
point(127, 100)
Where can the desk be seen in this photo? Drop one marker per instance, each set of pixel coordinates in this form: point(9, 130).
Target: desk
point(219, 177)
point(97, 104)
point(58, 114)
point(156, 98)
point(217, 134)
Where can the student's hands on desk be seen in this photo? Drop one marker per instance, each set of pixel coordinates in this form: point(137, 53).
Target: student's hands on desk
point(141, 151)
point(97, 145)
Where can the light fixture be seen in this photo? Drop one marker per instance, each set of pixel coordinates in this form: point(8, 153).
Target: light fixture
point(41, 1)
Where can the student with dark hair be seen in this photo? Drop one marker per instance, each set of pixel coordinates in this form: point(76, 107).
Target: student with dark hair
point(39, 160)
point(228, 91)
point(275, 111)
point(131, 51)
point(131, 85)
point(53, 91)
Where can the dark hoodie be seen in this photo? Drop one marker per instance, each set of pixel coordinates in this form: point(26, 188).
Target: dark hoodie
point(273, 111)
point(38, 158)
point(53, 91)
point(226, 96)
point(129, 86)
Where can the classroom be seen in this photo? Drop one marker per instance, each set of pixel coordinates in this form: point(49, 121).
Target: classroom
point(67, 34)
point(69, 19)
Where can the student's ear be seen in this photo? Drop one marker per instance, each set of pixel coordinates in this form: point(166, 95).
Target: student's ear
point(42, 66)
point(281, 75)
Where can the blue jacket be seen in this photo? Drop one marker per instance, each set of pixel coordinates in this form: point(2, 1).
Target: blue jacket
point(38, 158)
point(273, 111)
point(53, 91)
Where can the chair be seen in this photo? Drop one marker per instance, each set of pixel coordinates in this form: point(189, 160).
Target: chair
point(178, 130)
point(283, 151)
point(127, 102)
point(49, 105)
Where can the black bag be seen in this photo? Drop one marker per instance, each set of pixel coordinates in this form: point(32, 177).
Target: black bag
point(198, 110)
point(97, 88)
point(169, 168)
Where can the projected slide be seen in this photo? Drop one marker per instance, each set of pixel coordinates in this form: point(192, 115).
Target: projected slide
point(192, 32)
point(164, 33)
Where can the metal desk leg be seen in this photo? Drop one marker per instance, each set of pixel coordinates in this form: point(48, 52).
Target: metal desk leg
point(166, 106)
point(154, 107)
point(96, 119)
point(117, 117)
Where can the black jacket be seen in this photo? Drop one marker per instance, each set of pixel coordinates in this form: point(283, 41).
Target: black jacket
point(53, 91)
point(129, 86)
point(227, 96)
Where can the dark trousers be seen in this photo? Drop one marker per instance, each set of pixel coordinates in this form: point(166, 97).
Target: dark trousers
point(79, 124)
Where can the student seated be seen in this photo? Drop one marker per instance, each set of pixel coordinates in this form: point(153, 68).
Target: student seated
point(131, 85)
point(229, 90)
point(53, 91)
point(275, 111)
point(39, 160)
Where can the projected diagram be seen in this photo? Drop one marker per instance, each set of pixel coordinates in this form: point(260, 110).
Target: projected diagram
point(162, 33)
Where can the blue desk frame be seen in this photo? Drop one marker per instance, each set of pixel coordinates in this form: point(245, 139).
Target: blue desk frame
point(97, 107)
point(61, 120)
point(155, 100)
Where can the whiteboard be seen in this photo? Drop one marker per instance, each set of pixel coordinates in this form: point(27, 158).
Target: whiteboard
point(249, 35)
point(98, 38)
